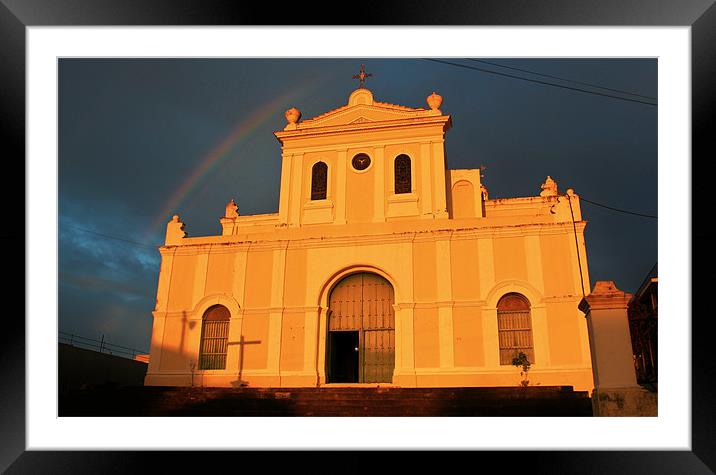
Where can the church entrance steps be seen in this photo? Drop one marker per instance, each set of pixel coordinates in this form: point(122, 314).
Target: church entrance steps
point(547, 401)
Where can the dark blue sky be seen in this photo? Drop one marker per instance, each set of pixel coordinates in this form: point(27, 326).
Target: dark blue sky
point(133, 131)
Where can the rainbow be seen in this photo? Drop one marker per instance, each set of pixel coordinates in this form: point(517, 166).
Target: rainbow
point(211, 160)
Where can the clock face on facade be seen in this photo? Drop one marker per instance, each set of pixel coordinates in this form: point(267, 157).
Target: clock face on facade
point(361, 161)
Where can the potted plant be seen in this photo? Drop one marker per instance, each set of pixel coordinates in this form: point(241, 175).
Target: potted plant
point(522, 360)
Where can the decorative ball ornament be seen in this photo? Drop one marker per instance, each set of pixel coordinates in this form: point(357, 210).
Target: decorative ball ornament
point(435, 101)
point(292, 115)
point(549, 187)
point(232, 210)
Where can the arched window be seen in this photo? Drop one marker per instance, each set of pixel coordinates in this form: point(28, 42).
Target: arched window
point(402, 174)
point(514, 326)
point(319, 181)
point(214, 336)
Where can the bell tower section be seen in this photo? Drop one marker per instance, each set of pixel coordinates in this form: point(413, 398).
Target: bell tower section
point(364, 162)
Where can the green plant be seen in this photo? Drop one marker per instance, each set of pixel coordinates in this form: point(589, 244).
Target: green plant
point(522, 360)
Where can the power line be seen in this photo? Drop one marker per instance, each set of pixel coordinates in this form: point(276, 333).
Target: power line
point(117, 238)
point(562, 79)
point(540, 82)
point(619, 210)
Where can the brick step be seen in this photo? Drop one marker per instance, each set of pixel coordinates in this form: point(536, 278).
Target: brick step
point(508, 393)
point(407, 397)
point(228, 411)
point(396, 402)
point(382, 412)
point(347, 389)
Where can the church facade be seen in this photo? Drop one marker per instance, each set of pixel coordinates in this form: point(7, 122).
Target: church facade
point(381, 267)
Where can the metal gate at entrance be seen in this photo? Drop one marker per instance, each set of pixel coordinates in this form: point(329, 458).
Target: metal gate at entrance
point(361, 305)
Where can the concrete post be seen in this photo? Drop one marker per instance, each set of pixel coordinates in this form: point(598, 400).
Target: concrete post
point(616, 392)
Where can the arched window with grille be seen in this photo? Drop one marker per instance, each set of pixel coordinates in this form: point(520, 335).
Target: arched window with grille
point(214, 336)
point(403, 182)
point(319, 181)
point(514, 325)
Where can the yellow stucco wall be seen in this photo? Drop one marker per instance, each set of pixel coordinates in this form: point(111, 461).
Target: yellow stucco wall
point(255, 329)
point(563, 326)
point(557, 267)
point(220, 273)
point(509, 258)
point(181, 288)
point(292, 341)
point(427, 343)
point(468, 336)
point(424, 272)
point(465, 270)
point(361, 185)
point(258, 287)
point(295, 279)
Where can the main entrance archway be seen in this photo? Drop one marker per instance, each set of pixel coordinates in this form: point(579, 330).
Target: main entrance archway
point(361, 330)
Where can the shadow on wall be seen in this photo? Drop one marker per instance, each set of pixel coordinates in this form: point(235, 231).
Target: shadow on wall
point(79, 368)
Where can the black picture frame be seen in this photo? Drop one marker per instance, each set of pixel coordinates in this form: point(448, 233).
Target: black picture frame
point(16, 15)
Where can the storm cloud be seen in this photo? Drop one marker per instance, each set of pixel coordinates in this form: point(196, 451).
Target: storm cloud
point(143, 139)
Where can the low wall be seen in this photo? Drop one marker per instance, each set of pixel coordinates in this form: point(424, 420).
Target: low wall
point(78, 368)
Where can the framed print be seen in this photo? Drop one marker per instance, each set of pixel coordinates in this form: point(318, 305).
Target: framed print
point(72, 59)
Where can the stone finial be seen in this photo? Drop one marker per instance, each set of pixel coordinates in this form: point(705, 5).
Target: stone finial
point(549, 187)
point(232, 210)
point(607, 288)
point(175, 231)
point(434, 101)
point(605, 294)
point(293, 115)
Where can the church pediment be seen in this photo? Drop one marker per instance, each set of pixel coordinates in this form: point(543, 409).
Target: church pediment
point(360, 114)
point(361, 111)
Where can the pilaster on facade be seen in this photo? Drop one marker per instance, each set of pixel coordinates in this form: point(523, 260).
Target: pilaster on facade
point(234, 351)
point(426, 182)
point(311, 330)
point(540, 336)
point(405, 353)
point(444, 293)
point(491, 345)
point(156, 344)
point(379, 185)
point(533, 253)
point(486, 261)
point(165, 276)
point(340, 201)
point(238, 286)
point(202, 265)
point(296, 191)
point(274, 342)
point(439, 179)
point(285, 189)
point(275, 326)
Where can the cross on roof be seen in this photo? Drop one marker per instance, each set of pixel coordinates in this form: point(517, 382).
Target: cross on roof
point(362, 75)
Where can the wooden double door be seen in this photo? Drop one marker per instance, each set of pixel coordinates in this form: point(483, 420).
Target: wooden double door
point(361, 330)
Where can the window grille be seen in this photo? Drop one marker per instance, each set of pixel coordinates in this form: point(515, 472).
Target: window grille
point(514, 326)
point(319, 181)
point(402, 174)
point(214, 336)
